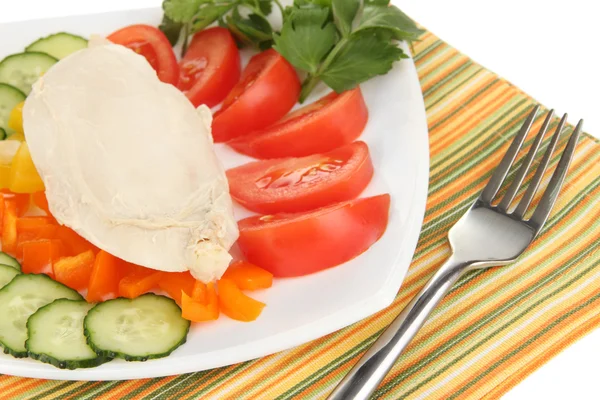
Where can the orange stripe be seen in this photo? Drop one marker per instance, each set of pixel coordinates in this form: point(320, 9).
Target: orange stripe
point(447, 192)
point(570, 337)
point(462, 123)
point(523, 353)
point(25, 384)
point(415, 358)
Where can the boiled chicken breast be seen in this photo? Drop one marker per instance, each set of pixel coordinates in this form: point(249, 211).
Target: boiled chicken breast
point(128, 163)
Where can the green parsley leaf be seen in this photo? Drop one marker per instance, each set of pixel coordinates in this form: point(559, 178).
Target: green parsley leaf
point(254, 30)
point(344, 12)
point(209, 14)
point(265, 6)
point(377, 2)
point(182, 11)
point(312, 4)
point(388, 18)
point(306, 38)
point(361, 58)
point(172, 30)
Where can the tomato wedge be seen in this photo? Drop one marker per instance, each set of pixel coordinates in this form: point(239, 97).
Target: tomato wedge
point(333, 121)
point(299, 244)
point(268, 89)
point(151, 43)
point(302, 184)
point(211, 67)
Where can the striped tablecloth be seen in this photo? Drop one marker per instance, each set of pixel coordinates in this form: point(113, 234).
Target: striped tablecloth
point(495, 327)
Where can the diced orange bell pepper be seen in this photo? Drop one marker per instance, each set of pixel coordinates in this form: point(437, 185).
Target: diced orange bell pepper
point(175, 282)
point(39, 256)
point(237, 305)
point(9, 228)
point(40, 200)
point(1, 213)
point(200, 292)
point(74, 243)
point(75, 271)
point(23, 201)
point(44, 232)
point(25, 224)
point(248, 276)
point(24, 178)
point(197, 311)
point(139, 281)
point(104, 280)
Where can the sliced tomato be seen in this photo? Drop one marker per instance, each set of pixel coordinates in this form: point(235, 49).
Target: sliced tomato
point(302, 184)
point(268, 89)
point(333, 121)
point(211, 67)
point(151, 43)
point(303, 243)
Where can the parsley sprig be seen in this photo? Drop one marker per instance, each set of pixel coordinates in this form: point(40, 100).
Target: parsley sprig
point(246, 19)
point(340, 42)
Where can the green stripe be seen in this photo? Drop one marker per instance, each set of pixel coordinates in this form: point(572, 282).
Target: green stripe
point(526, 344)
point(462, 67)
point(433, 101)
point(432, 47)
point(302, 385)
point(53, 389)
point(237, 368)
point(399, 378)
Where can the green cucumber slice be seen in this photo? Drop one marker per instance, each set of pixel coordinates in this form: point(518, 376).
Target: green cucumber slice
point(23, 69)
point(139, 329)
point(58, 45)
point(2, 134)
point(10, 96)
point(9, 260)
point(23, 296)
point(7, 273)
point(56, 335)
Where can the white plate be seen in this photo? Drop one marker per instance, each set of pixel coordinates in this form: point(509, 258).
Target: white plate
point(300, 309)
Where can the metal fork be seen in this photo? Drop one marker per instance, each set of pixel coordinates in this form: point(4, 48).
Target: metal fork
point(487, 235)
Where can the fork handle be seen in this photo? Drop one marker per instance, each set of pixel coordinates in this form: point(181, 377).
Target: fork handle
point(364, 378)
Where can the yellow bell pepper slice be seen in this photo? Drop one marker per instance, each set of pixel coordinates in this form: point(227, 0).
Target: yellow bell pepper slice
point(15, 119)
point(24, 178)
point(4, 176)
point(16, 136)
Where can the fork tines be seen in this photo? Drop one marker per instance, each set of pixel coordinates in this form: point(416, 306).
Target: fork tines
point(542, 211)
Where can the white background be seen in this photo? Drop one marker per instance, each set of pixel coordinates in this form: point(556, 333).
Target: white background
point(547, 48)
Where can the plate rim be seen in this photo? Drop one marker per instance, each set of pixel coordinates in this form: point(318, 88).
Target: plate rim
point(286, 339)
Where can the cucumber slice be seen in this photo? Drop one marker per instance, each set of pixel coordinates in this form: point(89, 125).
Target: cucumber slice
point(2, 134)
point(23, 296)
point(23, 69)
point(9, 97)
point(56, 335)
point(7, 273)
point(5, 259)
point(140, 329)
point(58, 45)
point(9, 260)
